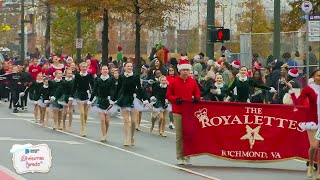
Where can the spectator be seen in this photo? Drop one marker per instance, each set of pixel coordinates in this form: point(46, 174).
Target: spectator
point(224, 67)
point(287, 59)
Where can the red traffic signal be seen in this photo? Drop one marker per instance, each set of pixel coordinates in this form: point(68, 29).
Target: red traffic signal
point(220, 35)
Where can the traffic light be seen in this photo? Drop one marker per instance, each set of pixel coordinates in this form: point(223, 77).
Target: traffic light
point(220, 35)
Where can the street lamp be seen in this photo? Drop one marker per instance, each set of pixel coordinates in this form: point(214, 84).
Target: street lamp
point(22, 35)
point(223, 7)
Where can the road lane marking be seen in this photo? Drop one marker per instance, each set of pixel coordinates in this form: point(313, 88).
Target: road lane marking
point(132, 153)
point(39, 140)
point(78, 121)
point(31, 115)
point(7, 172)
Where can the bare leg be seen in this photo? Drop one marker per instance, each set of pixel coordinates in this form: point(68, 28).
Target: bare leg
point(103, 126)
point(312, 151)
point(55, 119)
point(59, 119)
point(125, 115)
point(47, 116)
point(42, 115)
point(83, 124)
point(163, 124)
point(36, 111)
point(133, 115)
point(139, 121)
point(153, 121)
point(64, 117)
point(70, 118)
point(107, 122)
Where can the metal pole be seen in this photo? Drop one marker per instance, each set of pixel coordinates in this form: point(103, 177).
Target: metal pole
point(210, 25)
point(307, 46)
point(276, 34)
point(22, 52)
point(199, 27)
point(78, 35)
point(223, 15)
point(32, 20)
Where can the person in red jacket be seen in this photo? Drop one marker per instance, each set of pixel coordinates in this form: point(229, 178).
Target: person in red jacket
point(34, 68)
point(182, 88)
point(312, 94)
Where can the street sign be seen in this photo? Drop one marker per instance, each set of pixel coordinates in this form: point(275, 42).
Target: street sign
point(314, 27)
point(306, 6)
point(314, 17)
point(314, 39)
point(79, 42)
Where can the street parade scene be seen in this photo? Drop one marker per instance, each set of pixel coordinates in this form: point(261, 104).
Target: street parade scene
point(148, 89)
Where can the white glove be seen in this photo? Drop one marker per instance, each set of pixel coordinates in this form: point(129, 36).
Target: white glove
point(35, 102)
point(46, 101)
point(150, 81)
point(272, 90)
point(21, 94)
point(145, 102)
point(153, 99)
point(166, 101)
point(227, 99)
point(89, 102)
point(218, 91)
point(70, 99)
point(52, 98)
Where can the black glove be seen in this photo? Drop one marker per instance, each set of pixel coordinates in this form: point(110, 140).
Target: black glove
point(195, 100)
point(178, 100)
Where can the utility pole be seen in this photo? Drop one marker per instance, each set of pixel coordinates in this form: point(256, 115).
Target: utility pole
point(78, 35)
point(22, 52)
point(210, 26)
point(199, 28)
point(276, 33)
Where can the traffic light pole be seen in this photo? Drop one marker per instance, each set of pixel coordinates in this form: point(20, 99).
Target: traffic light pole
point(276, 33)
point(22, 53)
point(210, 26)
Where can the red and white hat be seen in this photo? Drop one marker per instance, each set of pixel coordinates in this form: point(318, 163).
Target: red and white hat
point(218, 64)
point(258, 66)
point(236, 64)
point(293, 72)
point(184, 64)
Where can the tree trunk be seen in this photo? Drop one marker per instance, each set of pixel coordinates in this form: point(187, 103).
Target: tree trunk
point(138, 39)
point(48, 32)
point(105, 38)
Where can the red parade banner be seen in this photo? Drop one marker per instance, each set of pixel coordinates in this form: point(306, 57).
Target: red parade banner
point(244, 131)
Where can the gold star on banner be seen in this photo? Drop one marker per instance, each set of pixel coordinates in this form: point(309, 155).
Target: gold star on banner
point(252, 135)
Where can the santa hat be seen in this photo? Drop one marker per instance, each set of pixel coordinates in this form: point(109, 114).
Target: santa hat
point(119, 48)
point(236, 64)
point(184, 64)
point(61, 58)
point(258, 66)
point(293, 73)
point(218, 64)
point(69, 59)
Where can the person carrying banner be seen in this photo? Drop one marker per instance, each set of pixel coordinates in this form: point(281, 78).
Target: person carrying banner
point(182, 88)
point(312, 94)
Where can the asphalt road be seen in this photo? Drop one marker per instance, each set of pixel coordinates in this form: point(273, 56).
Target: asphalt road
point(153, 157)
